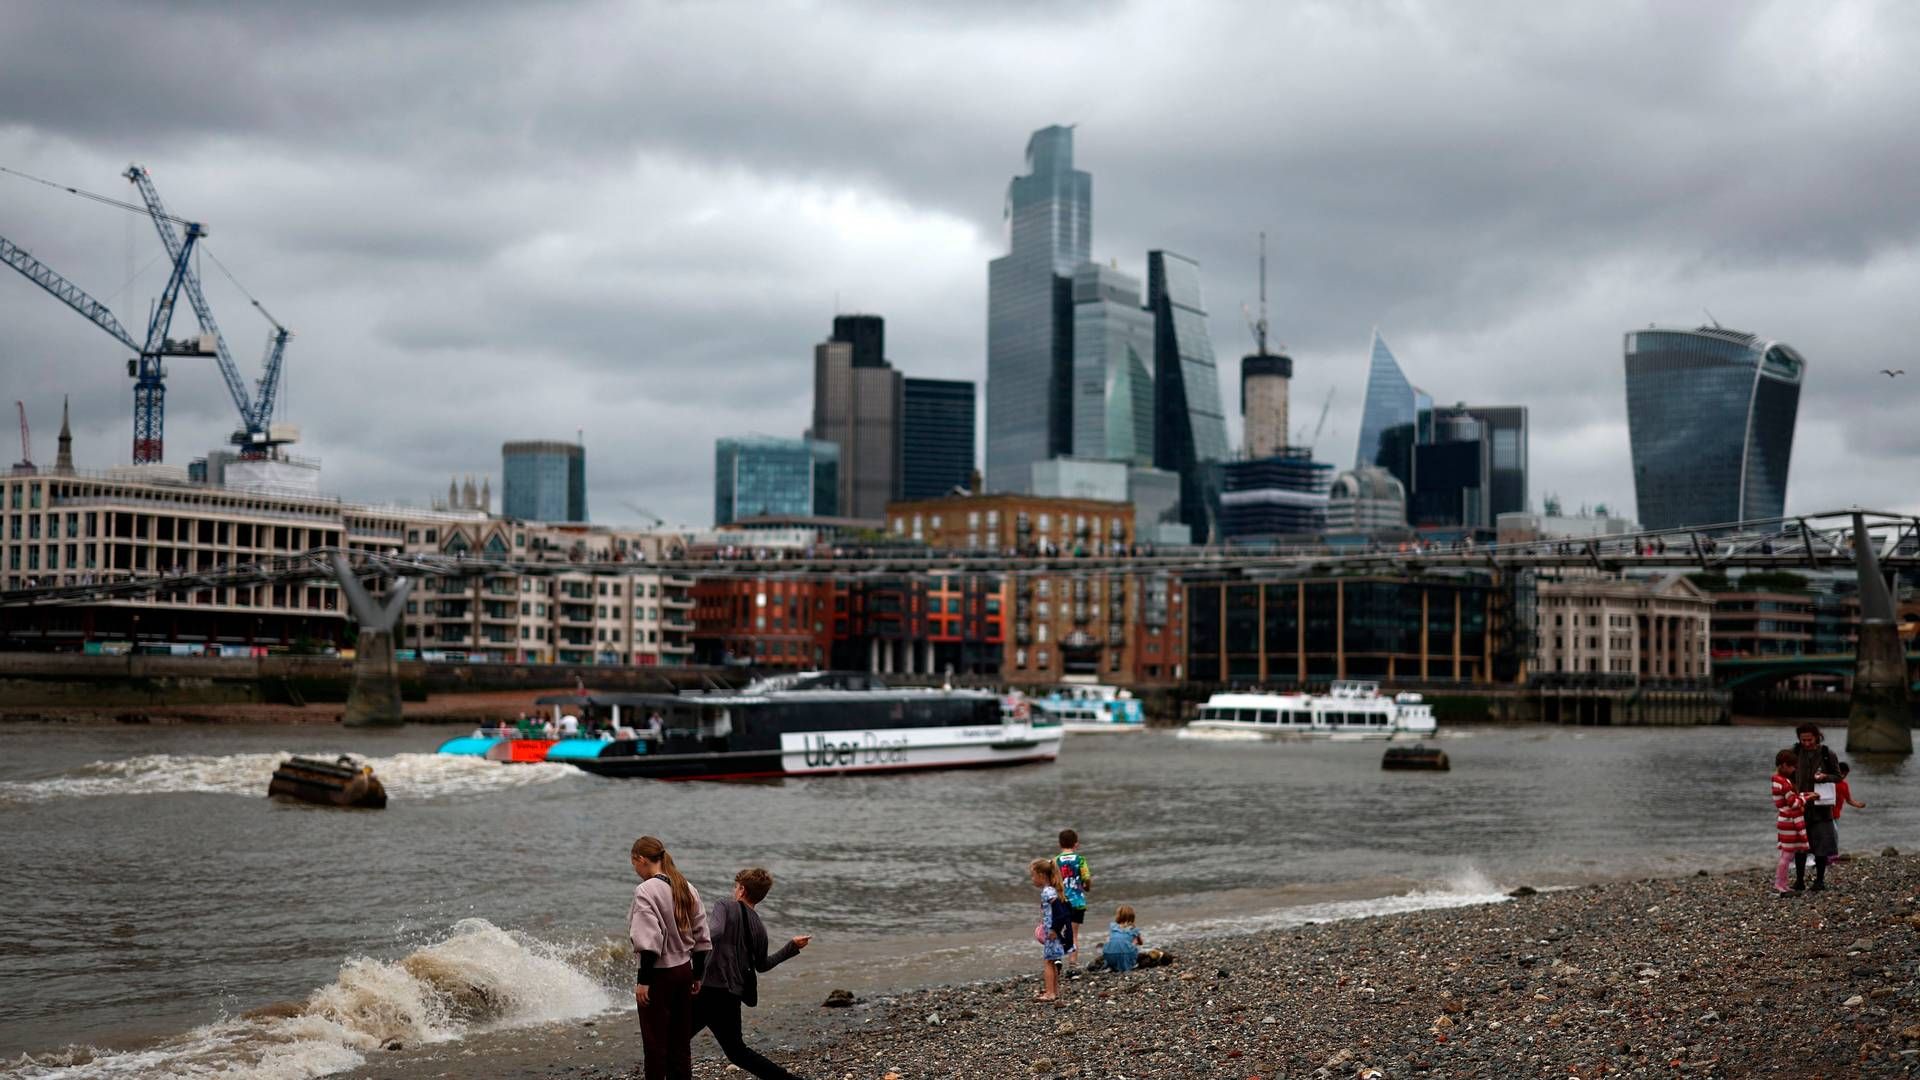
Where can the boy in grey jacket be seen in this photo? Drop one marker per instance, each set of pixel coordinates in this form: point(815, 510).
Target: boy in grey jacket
point(731, 976)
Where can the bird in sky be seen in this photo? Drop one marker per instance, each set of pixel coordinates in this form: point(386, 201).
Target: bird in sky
point(1892, 372)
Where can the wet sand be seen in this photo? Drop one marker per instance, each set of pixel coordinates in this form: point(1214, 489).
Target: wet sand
point(1708, 975)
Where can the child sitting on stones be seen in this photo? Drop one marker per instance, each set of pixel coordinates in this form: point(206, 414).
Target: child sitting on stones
point(1122, 952)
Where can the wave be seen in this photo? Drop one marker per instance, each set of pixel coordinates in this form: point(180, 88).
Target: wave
point(405, 776)
point(1466, 887)
point(477, 977)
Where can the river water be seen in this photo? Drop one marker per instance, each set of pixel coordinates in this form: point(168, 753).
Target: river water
point(165, 919)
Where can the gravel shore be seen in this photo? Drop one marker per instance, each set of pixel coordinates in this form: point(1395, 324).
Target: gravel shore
point(1701, 976)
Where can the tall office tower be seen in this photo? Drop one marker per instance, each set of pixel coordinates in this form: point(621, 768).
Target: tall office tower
point(1112, 367)
point(936, 438)
point(1452, 473)
point(1264, 376)
point(857, 401)
point(1390, 418)
point(1710, 417)
point(760, 475)
point(1190, 429)
point(1506, 429)
point(543, 481)
point(868, 336)
point(1030, 311)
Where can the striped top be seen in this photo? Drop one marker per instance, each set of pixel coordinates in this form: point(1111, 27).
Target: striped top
point(1789, 815)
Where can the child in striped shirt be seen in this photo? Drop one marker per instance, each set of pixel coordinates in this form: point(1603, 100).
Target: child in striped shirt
point(1789, 822)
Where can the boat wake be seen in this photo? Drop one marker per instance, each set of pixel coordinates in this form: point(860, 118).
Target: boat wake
point(405, 776)
point(476, 978)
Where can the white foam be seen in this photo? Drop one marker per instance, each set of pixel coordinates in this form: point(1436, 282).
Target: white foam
point(1467, 887)
point(477, 977)
point(405, 776)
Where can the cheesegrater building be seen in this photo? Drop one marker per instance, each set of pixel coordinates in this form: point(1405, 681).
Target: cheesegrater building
point(1710, 416)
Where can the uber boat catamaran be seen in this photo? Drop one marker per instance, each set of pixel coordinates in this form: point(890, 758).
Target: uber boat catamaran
point(808, 723)
point(1349, 710)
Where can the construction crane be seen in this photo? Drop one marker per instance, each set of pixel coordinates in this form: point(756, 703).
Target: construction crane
point(146, 368)
point(257, 436)
point(26, 439)
point(1322, 425)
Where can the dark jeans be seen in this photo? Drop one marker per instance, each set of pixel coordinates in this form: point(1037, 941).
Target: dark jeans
point(666, 1025)
point(719, 1011)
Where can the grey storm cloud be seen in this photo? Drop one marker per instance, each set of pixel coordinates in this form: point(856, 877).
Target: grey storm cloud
point(509, 220)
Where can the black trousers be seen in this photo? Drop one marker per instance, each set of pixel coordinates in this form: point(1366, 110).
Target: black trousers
point(719, 1012)
point(667, 1025)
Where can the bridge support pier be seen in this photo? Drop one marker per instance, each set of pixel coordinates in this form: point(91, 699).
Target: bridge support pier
point(1880, 716)
point(373, 698)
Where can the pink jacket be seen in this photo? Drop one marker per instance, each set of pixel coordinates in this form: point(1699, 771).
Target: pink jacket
point(650, 924)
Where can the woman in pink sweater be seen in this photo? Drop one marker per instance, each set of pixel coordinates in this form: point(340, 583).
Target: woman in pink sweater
point(668, 925)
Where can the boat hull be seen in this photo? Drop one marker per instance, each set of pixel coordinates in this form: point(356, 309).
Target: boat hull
point(831, 753)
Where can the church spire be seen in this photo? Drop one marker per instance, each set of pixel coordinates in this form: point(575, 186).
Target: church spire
point(64, 463)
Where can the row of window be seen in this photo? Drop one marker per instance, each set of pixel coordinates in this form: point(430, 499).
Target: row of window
point(1294, 717)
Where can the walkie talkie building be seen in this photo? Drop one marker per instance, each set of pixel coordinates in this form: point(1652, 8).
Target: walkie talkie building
point(1710, 416)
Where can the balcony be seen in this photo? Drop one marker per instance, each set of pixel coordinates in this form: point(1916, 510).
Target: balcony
point(677, 603)
point(684, 625)
point(676, 581)
point(576, 614)
point(676, 648)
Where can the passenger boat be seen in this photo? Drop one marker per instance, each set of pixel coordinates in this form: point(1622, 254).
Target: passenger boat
point(1091, 709)
point(805, 724)
point(1349, 710)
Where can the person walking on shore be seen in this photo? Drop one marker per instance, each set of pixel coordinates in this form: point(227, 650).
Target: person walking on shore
point(1789, 823)
point(1055, 929)
point(670, 944)
point(1814, 765)
point(1076, 881)
point(731, 981)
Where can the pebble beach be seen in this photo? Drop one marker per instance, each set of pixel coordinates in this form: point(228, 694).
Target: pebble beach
point(1709, 975)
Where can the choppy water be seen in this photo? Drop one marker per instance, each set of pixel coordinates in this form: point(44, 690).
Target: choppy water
point(165, 919)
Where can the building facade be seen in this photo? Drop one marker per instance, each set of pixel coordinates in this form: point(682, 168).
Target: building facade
point(1654, 630)
point(763, 622)
point(1366, 501)
point(936, 440)
point(858, 402)
point(762, 476)
point(1190, 429)
point(543, 481)
point(1710, 416)
point(1028, 524)
point(1112, 368)
point(1505, 429)
point(1279, 497)
point(1397, 629)
point(1049, 215)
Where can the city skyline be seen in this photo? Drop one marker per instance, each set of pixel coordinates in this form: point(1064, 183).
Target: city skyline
point(527, 258)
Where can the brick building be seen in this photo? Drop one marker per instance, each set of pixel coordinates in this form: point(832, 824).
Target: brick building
point(1027, 524)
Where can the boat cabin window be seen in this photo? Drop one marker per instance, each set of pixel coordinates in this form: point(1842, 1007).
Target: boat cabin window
point(1268, 716)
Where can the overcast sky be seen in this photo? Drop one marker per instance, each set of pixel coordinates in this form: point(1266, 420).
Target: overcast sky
point(490, 221)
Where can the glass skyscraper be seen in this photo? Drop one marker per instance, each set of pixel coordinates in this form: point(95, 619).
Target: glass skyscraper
point(759, 475)
point(1112, 367)
point(1710, 416)
point(1049, 216)
point(543, 481)
point(1190, 426)
point(936, 438)
point(1392, 404)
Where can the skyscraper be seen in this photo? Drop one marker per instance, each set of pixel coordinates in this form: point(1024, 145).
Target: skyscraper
point(857, 401)
point(1264, 378)
point(1710, 416)
point(1392, 403)
point(760, 475)
point(1049, 216)
point(1506, 431)
point(543, 481)
point(936, 438)
point(1190, 429)
point(1112, 367)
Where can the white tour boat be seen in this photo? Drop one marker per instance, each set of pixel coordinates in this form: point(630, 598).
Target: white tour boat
point(1091, 709)
point(1349, 710)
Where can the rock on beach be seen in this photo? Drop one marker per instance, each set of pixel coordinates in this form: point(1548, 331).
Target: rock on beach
point(1696, 977)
